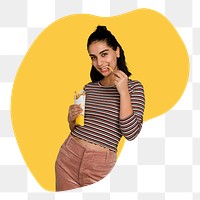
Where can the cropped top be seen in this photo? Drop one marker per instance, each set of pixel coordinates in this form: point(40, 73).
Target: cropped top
point(102, 124)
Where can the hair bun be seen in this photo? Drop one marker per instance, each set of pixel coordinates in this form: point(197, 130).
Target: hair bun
point(101, 28)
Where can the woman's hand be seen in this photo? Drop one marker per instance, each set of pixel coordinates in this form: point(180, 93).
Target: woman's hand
point(121, 82)
point(73, 112)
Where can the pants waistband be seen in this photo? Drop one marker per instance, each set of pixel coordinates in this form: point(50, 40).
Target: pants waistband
point(81, 150)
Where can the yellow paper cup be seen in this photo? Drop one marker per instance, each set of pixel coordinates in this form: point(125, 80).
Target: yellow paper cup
point(79, 99)
point(80, 120)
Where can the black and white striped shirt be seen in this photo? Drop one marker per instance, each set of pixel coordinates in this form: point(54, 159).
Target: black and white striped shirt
point(102, 124)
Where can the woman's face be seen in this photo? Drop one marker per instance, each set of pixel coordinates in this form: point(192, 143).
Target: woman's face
point(103, 56)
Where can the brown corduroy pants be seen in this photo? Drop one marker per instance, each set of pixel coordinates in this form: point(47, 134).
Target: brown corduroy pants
point(77, 165)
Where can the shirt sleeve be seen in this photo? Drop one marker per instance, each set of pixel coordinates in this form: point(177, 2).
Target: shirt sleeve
point(132, 125)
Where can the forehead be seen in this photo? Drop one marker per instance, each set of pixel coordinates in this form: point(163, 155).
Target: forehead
point(97, 47)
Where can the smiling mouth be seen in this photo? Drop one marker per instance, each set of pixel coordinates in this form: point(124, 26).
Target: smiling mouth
point(104, 69)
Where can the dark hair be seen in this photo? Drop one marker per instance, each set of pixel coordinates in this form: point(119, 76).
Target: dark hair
point(102, 34)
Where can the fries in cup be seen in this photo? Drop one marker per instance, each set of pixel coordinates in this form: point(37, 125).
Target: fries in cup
point(79, 99)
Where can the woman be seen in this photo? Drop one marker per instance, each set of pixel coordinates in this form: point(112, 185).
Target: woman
point(114, 108)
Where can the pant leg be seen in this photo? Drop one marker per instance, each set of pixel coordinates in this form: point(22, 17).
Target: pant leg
point(77, 166)
point(64, 181)
point(67, 167)
point(96, 166)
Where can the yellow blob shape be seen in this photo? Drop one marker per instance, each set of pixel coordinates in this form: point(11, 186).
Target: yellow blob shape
point(57, 64)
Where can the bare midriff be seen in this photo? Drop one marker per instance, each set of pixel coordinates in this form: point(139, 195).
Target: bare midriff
point(90, 145)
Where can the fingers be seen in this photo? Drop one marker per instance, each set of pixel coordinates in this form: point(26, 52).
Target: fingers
point(75, 107)
point(74, 111)
point(120, 75)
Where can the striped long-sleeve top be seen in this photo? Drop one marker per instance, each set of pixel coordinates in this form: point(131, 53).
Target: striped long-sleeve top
point(102, 124)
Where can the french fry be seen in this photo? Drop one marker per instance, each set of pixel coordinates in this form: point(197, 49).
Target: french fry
point(111, 69)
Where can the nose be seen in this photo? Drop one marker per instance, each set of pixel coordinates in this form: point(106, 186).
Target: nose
point(99, 61)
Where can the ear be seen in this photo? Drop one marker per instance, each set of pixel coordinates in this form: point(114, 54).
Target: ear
point(118, 52)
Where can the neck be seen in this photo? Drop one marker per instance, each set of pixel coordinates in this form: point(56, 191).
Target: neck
point(108, 81)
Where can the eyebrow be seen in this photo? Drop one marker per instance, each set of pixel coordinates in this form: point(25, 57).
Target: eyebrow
point(100, 52)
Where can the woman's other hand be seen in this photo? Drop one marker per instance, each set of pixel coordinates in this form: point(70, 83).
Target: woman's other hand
point(73, 112)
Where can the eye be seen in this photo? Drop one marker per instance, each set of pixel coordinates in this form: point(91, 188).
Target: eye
point(93, 58)
point(104, 54)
